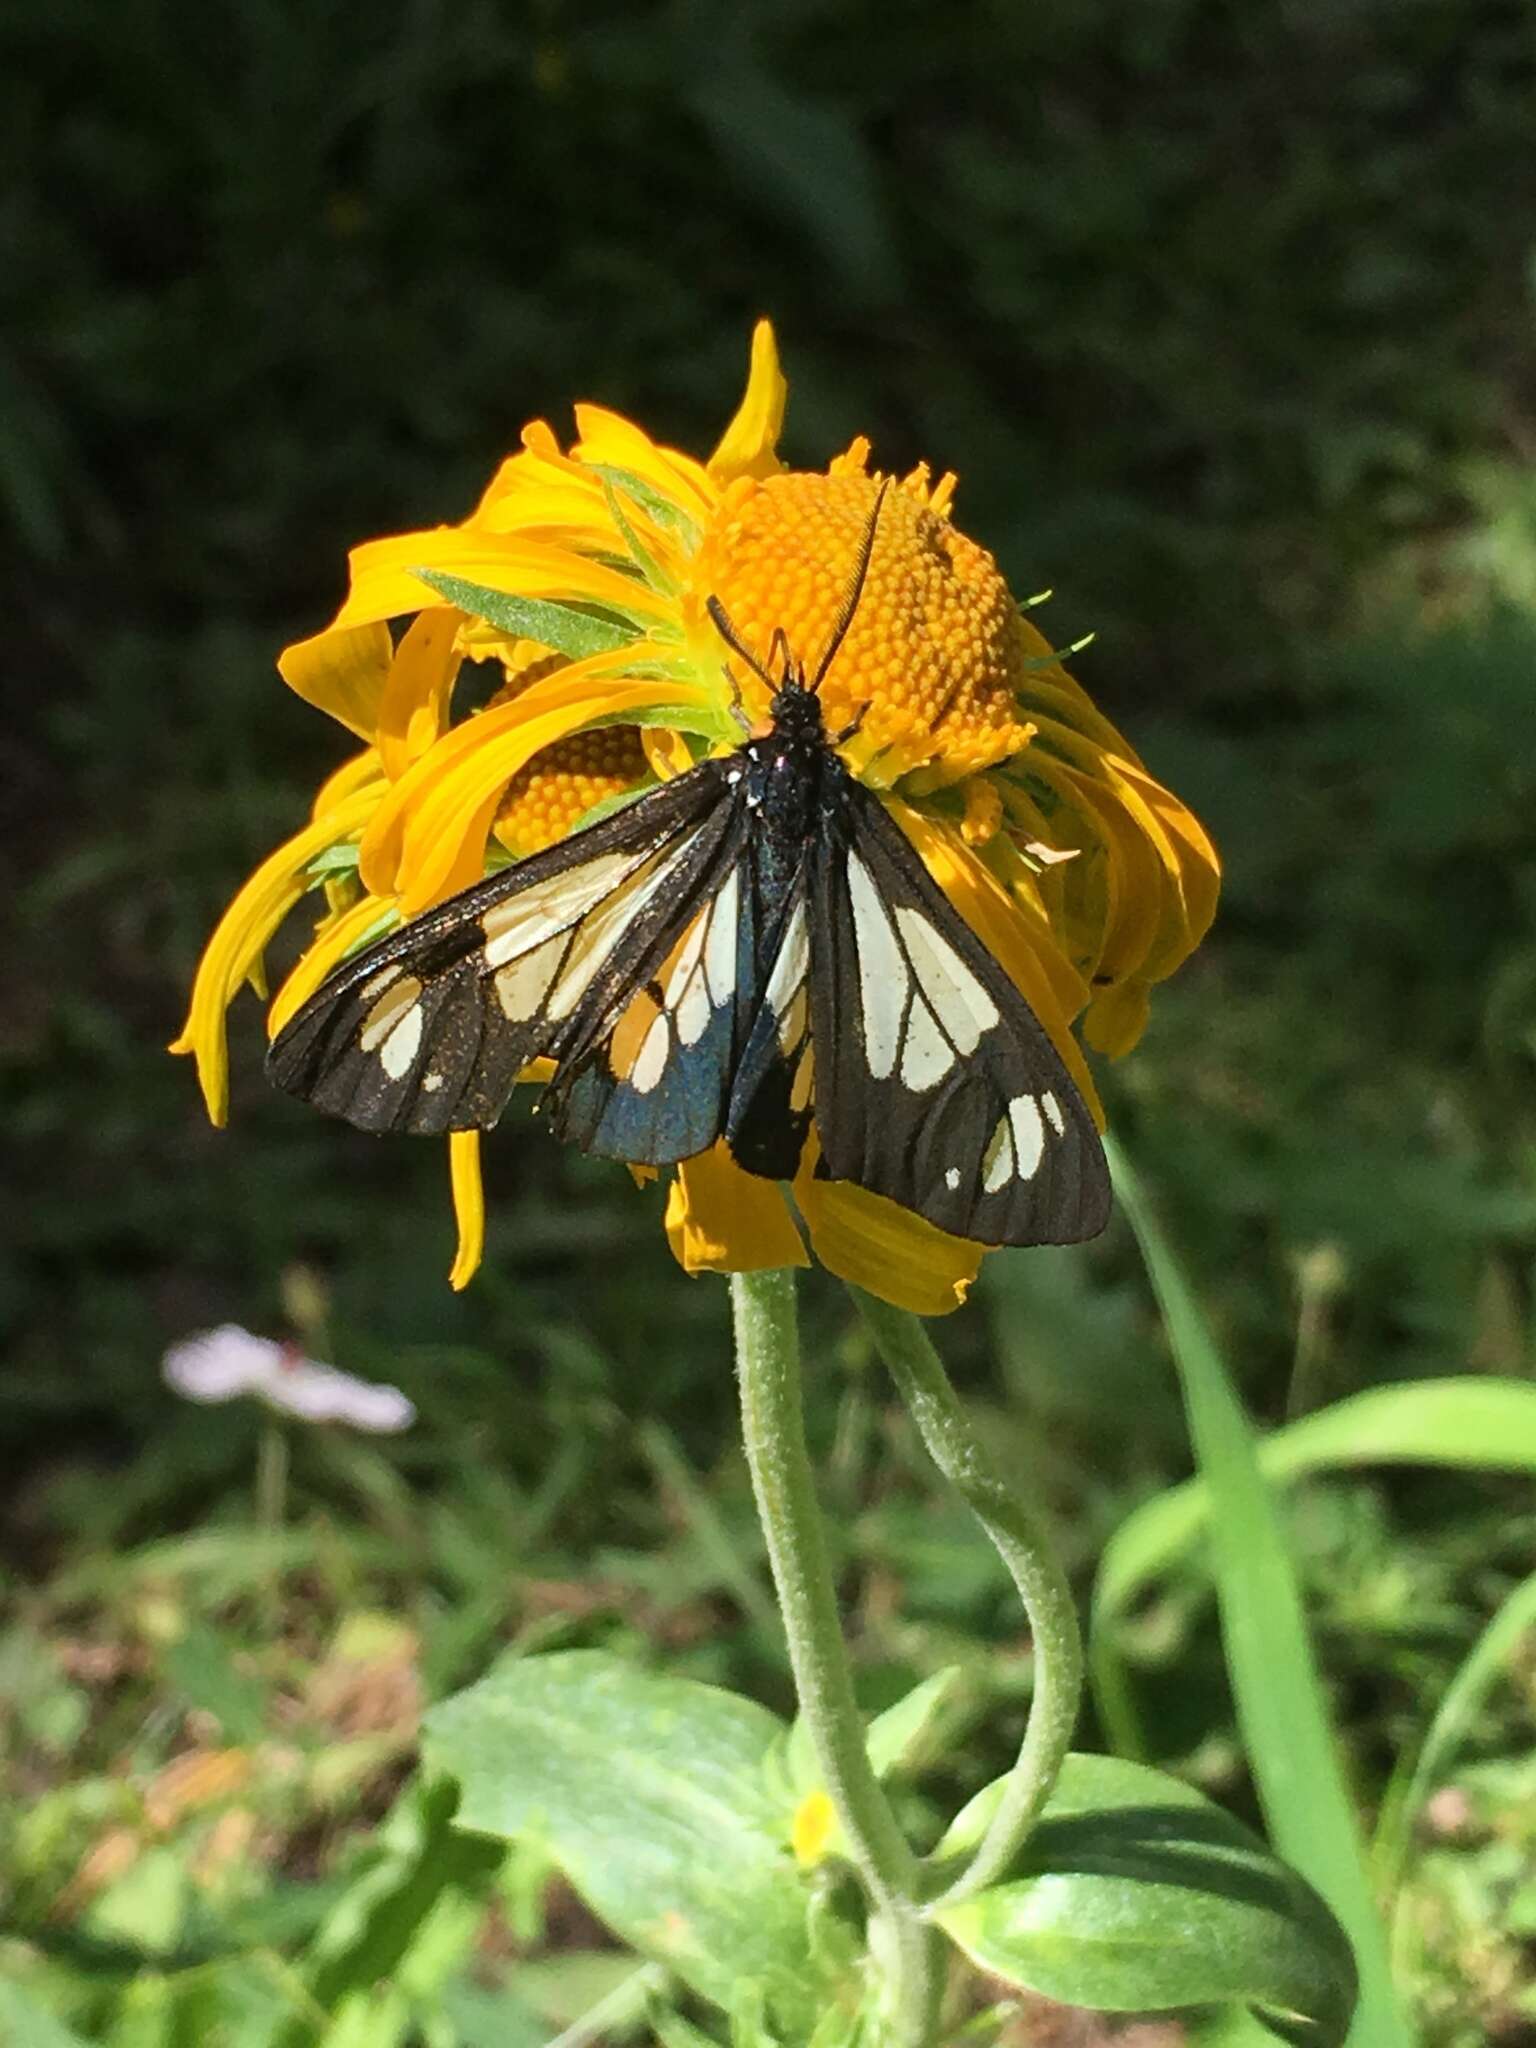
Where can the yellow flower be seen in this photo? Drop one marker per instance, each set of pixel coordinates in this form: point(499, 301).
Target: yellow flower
point(584, 574)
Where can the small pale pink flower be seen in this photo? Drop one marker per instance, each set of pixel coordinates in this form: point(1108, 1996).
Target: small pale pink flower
point(223, 1364)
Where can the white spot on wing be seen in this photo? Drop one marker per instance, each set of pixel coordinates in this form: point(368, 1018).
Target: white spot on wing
point(651, 1062)
point(958, 1000)
point(402, 1045)
point(521, 987)
point(686, 993)
point(593, 945)
point(398, 999)
point(926, 1054)
point(1052, 1109)
point(785, 993)
point(430, 1083)
point(720, 947)
point(997, 1160)
point(952, 1178)
point(1028, 1134)
point(529, 917)
point(883, 978)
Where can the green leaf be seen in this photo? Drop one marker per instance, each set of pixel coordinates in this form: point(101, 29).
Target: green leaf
point(403, 1922)
point(1279, 1699)
point(703, 720)
point(575, 630)
point(1487, 1424)
point(27, 2025)
point(651, 1795)
point(898, 1742)
point(665, 511)
point(657, 577)
point(1136, 1894)
point(1415, 1776)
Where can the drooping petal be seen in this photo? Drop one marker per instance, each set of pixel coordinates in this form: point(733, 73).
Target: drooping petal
point(414, 707)
point(885, 1249)
point(468, 1206)
point(342, 673)
point(428, 837)
point(333, 941)
point(608, 441)
point(749, 445)
point(721, 1220)
point(359, 773)
point(384, 585)
point(242, 935)
point(1117, 1017)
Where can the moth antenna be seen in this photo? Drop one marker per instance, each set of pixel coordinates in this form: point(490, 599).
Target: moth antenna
point(855, 591)
point(733, 640)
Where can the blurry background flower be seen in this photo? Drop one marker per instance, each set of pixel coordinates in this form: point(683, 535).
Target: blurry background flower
point(223, 1364)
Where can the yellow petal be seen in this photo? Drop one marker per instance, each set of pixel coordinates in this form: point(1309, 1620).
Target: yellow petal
point(427, 839)
point(1117, 1017)
point(242, 933)
point(348, 779)
point(343, 673)
point(468, 1205)
point(331, 946)
point(721, 1220)
point(608, 439)
point(885, 1249)
point(384, 584)
point(414, 706)
point(813, 1829)
point(667, 753)
point(749, 444)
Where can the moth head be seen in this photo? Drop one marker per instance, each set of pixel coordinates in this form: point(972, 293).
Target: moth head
point(784, 675)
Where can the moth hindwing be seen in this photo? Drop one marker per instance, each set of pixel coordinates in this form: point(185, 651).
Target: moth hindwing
point(748, 950)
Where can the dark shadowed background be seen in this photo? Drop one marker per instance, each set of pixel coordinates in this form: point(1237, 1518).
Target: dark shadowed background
point(1226, 317)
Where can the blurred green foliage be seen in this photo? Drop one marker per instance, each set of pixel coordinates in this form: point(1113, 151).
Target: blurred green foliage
point(1224, 315)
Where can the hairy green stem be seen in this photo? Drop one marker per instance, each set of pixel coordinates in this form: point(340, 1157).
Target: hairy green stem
point(1021, 1538)
point(768, 1365)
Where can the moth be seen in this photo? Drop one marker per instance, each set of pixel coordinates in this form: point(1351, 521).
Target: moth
point(745, 951)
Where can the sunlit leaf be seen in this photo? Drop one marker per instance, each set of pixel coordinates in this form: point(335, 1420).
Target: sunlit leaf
point(1136, 1894)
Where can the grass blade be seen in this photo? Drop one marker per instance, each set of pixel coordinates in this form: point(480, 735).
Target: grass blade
point(1280, 1706)
point(1488, 1657)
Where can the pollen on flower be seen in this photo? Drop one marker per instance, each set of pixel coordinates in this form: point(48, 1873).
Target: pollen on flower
point(935, 656)
point(550, 797)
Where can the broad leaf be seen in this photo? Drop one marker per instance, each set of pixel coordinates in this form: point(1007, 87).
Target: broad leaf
point(651, 1794)
point(1136, 1894)
point(898, 1742)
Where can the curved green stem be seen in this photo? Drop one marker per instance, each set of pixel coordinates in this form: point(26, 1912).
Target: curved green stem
point(768, 1364)
point(1021, 1539)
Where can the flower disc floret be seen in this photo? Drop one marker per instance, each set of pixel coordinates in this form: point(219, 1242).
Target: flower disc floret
point(933, 661)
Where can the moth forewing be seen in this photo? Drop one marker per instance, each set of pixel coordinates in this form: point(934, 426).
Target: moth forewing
point(938, 1086)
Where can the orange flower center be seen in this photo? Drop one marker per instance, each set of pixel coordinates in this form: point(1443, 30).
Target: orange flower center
point(549, 798)
point(935, 655)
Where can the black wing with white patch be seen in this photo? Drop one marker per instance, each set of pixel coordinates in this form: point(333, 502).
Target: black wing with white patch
point(558, 957)
point(936, 1083)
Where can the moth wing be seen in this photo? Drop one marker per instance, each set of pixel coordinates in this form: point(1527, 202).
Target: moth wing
point(428, 1030)
point(937, 1084)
